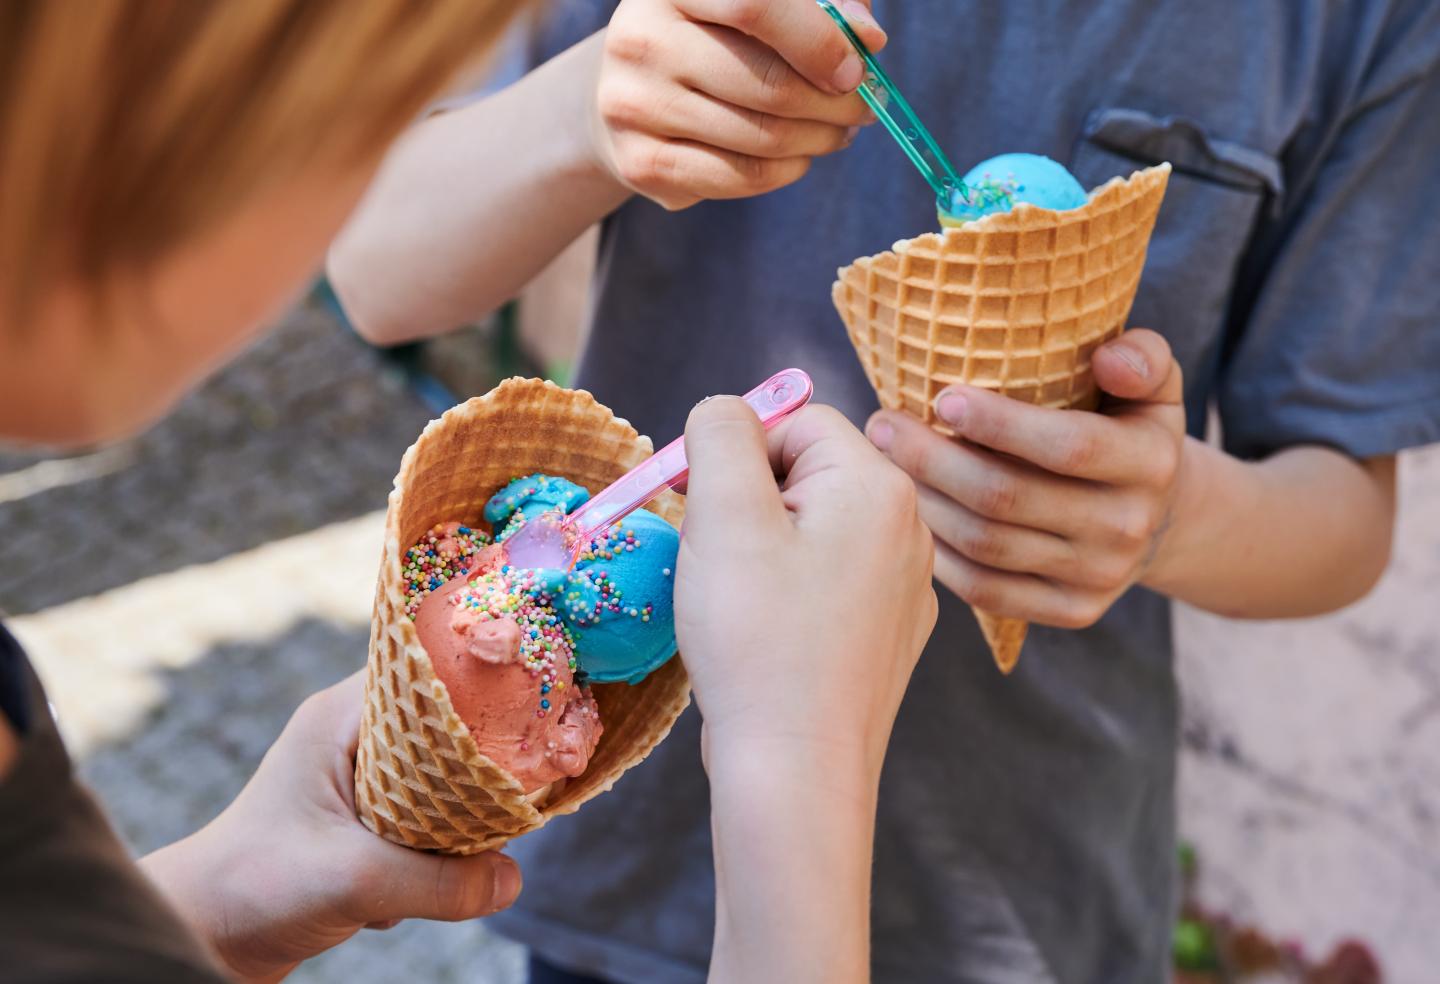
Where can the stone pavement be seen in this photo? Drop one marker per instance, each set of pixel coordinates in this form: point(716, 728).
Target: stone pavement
point(182, 593)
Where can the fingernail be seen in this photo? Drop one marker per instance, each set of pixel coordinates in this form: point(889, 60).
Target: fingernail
point(951, 408)
point(1132, 358)
point(859, 15)
point(850, 134)
point(881, 434)
point(507, 882)
point(848, 75)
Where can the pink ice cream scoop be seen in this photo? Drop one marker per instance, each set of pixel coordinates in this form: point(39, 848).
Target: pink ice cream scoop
point(508, 664)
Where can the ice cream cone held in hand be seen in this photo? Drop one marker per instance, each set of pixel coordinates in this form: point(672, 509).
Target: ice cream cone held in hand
point(1014, 301)
point(486, 730)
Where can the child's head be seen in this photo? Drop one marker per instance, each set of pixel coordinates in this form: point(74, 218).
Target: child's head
point(171, 172)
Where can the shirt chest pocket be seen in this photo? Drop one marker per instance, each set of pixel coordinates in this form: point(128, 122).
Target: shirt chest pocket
point(1217, 194)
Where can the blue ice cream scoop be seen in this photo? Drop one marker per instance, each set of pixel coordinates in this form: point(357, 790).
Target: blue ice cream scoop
point(618, 602)
point(998, 184)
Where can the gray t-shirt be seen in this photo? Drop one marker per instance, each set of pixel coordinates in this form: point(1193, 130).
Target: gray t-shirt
point(1027, 823)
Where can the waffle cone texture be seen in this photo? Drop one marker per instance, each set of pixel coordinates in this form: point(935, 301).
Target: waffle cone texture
point(1015, 302)
point(420, 780)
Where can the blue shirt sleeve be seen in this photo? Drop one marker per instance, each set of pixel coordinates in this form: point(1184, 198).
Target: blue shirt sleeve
point(1335, 336)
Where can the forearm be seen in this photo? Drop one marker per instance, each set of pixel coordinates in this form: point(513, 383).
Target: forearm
point(1303, 532)
point(458, 221)
point(195, 879)
point(793, 847)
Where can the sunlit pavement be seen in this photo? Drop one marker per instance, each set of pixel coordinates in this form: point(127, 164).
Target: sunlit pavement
point(182, 593)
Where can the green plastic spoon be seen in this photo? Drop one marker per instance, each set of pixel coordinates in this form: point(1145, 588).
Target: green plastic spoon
point(881, 95)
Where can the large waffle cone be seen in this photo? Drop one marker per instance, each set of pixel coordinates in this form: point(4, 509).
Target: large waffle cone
point(420, 780)
point(1015, 302)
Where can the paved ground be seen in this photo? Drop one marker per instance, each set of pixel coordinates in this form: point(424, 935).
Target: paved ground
point(181, 594)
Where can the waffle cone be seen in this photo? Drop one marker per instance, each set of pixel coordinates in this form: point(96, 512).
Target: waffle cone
point(420, 780)
point(1015, 302)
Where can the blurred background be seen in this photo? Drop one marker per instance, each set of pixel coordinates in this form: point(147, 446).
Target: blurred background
point(184, 591)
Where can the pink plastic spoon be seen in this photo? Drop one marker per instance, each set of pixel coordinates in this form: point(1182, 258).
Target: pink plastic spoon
point(550, 541)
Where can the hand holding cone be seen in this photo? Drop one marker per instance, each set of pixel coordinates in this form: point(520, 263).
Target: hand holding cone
point(1015, 302)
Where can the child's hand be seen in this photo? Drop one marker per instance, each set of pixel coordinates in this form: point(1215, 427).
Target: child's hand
point(1049, 515)
point(800, 611)
point(725, 98)
point(287, 871)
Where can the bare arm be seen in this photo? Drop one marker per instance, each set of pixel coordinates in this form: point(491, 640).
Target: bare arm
point(1302, 532)
point(800, 638)
point(471, 204)
point(677, 100)
point(792, 867)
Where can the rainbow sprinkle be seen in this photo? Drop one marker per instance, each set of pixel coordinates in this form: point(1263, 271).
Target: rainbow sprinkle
point(440, 555)
point(545, 641)
point(446, 552)
point(987, 192)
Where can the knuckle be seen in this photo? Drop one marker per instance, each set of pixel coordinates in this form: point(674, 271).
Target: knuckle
point(915, 458)
point(853, 112)
point(748, 15)
point(776, 80)
point(674, 203)
point(1133, 523)
point(619, 105)
point(771, 133)
point(982, 542)
point(1114, 572)
point(838, 138)
point(628, 44)
point(1077, 451)
point(648, 167)
point(898, 491)
point(1079, 612)
point(1109, 573)
point(981, 594)
point(997, 495)
point(832, 419)
point(461, 892)
point(1166, 464)
point(756, 174)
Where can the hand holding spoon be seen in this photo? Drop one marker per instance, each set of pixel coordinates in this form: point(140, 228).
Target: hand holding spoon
point(884, 98)
point(554, 541)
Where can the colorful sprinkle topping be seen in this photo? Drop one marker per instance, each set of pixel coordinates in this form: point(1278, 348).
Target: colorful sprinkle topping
point(441, 554)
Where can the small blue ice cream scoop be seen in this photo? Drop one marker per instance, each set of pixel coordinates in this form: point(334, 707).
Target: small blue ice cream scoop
point(619, 601)
point(998, 184)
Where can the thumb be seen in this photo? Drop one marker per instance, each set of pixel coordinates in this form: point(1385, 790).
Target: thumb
point(406, 884)
point(1137, 367)
point(730, 474)
point(860, 15)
